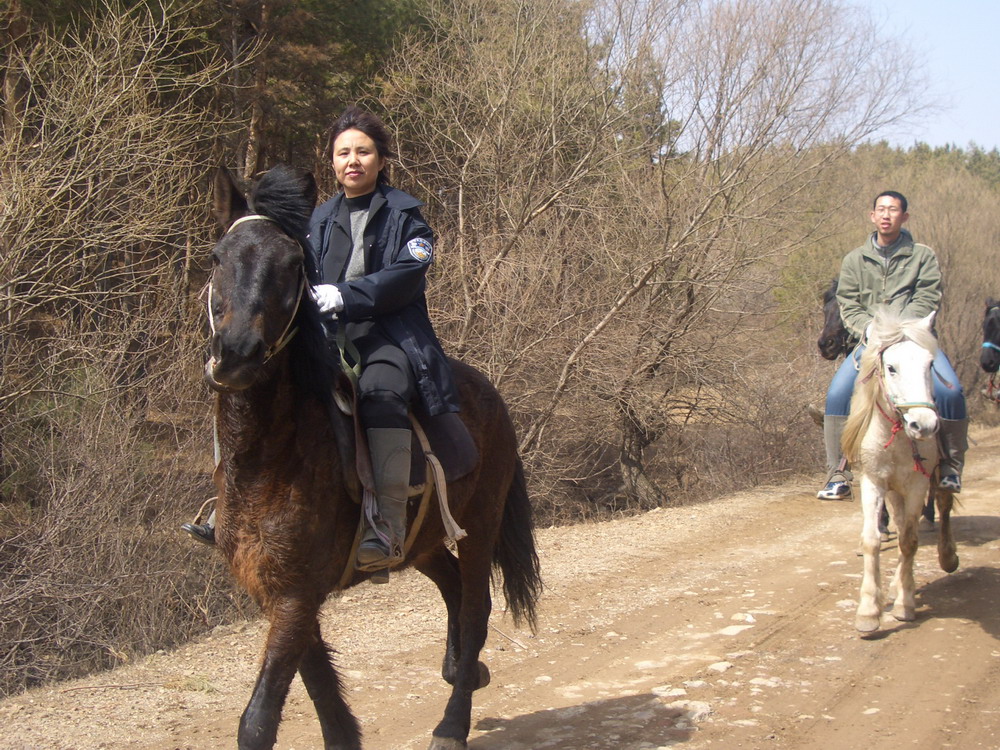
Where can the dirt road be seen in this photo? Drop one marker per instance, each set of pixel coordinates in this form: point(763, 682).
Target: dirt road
point(728, 625)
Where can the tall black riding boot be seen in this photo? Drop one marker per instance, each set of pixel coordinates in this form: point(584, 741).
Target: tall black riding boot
point(382, 545)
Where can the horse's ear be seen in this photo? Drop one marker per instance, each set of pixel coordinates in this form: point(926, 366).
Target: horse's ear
point(228, 203)
point(990, 302)
point(928, 321)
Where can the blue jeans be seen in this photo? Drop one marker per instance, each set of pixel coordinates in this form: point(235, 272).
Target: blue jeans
point(950, 401)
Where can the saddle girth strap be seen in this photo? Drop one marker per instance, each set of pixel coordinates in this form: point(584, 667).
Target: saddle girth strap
point(452, 530)
point(435, 482)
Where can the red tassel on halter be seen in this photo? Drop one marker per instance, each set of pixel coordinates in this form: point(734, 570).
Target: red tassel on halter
point(896, 427)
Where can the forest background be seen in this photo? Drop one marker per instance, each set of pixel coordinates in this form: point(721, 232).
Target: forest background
point(638, 204)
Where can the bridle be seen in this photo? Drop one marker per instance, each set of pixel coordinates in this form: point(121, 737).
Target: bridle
point(289, 332)
point(899, 409)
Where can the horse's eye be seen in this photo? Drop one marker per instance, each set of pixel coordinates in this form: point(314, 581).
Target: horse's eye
point(215, 259)
point(891, 369)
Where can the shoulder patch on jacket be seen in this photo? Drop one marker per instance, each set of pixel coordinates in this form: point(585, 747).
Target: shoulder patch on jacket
point(419, 249)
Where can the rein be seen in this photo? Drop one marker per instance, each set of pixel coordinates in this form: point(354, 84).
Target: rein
point(289, 332)
point(992, 391)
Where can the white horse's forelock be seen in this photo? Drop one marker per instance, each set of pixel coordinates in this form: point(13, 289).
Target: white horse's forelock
point(889, 327)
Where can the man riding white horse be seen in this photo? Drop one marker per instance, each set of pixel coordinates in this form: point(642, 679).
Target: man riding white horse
point(891, 270)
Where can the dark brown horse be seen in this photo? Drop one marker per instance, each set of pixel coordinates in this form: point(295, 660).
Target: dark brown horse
point(834, 340)
point(287, 515)
point(989, 359)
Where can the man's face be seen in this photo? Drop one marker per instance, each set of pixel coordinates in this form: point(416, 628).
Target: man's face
point(888, 217)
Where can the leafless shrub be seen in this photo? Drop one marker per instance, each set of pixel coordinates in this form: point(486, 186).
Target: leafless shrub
point(616, 188)
point(104, 423)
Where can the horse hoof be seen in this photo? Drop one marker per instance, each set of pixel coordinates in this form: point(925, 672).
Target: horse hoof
point(949, 564)
point(866, 624)
point(484, 674)
point(447, 743)
point(904, 614)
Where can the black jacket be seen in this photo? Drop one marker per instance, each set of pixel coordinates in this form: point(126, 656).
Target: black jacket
point(398, 251)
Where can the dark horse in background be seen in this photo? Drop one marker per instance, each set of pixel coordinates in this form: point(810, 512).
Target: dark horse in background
point(989, 358)
point(834, 340)
point(287, 511)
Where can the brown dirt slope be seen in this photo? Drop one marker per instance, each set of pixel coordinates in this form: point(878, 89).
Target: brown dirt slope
point(726, 625)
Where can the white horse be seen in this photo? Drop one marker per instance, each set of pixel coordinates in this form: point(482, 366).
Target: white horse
point(888, 438)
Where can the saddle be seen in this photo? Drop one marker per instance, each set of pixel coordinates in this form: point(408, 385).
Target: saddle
point(443, 439)
point(445, 435)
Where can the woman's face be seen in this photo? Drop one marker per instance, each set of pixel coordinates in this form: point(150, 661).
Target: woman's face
point(356, 162)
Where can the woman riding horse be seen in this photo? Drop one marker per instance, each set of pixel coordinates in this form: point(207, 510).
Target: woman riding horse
point(372, 248)
point(290, 479)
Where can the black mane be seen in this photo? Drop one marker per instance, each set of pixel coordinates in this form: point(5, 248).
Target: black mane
point(288, 196)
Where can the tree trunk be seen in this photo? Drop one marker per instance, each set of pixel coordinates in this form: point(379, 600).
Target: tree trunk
point(638, 486)
point(255, 136)
point(14, 28)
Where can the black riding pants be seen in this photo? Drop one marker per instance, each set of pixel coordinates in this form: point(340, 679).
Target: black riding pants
point(387, 385)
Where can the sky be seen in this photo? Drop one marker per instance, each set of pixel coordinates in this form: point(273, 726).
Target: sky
point(958, 40)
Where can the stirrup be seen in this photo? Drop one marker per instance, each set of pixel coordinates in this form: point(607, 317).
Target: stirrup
point(203, 532)
point(951, 483)
point(835, 490)
point(380, 555)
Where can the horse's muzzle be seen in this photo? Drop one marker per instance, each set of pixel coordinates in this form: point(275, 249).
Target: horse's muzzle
point(920, 423)
point(829, 348)
point(228, 379)
point(210, 378)
point(989, 360)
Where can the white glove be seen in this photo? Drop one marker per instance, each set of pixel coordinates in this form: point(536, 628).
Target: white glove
point(328, 298)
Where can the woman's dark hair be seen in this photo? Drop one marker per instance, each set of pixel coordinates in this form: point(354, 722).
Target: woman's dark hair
point(355, 118)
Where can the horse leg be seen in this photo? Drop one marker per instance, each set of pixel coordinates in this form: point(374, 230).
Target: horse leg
point(869, 614)
point(905, 604)
point(928, 512)
point(947, 555)
point(340, 728)
point(292, 624)
point(442, 568)
point(452, 731)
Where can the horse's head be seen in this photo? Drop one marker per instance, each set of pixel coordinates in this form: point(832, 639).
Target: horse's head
point(259, 277)
point(834, 338)
point(905, 350)
point(989, 359)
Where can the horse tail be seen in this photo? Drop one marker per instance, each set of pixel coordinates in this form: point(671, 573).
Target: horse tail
point(514, 554)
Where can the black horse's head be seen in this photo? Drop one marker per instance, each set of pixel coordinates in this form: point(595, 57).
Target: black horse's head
point(259, 284)
point(834, 340)
point(989, 359)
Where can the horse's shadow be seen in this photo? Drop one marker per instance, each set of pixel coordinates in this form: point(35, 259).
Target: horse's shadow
point(968, 593)
point(972, 531)
point(643, 720)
